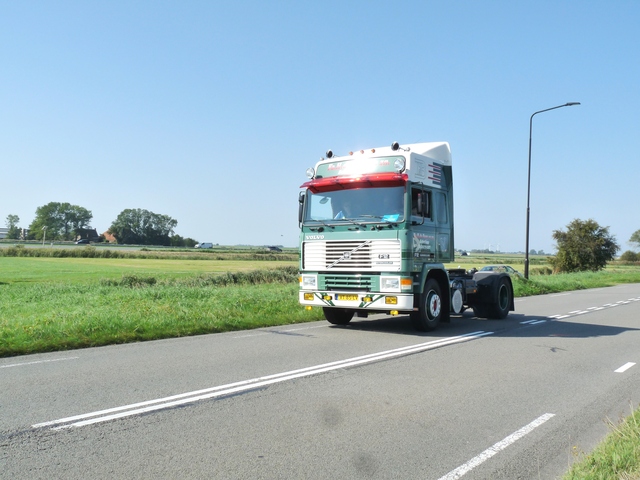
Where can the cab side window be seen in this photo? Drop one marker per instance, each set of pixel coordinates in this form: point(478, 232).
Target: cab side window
point(421, 203)
point(441, 208)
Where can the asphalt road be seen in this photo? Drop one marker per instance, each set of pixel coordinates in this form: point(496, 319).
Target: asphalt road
point(478, 399)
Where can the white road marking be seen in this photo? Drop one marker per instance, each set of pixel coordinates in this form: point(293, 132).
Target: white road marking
point(535, 321)
point(560, 295)
point(222, 390)
point(496, 448)
point(37, 362)
point(624, 367)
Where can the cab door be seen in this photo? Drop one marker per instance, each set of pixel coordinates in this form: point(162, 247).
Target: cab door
point(422, 227)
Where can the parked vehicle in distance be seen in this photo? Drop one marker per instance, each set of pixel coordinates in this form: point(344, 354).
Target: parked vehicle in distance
point(204, 245)
point(501, 269)
point(83, 241)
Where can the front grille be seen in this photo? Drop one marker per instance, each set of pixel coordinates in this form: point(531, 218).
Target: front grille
point(352, 255)
point(347, 282)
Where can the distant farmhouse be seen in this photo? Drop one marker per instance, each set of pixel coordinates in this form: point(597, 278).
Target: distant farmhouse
point(108, 236)
point(3, 233)
point(89, 233)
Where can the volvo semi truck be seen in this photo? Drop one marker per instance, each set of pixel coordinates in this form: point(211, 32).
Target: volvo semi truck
point(377, 229)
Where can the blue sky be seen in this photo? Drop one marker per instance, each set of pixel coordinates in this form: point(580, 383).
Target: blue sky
point(210, 112)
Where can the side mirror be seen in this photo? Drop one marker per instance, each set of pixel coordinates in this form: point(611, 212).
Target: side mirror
point(301, 197)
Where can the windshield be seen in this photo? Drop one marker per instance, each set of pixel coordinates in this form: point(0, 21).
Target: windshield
point(385, 205)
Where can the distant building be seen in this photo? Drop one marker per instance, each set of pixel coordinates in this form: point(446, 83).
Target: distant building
point(3, 233)
point(90, 234)
point(109, 237)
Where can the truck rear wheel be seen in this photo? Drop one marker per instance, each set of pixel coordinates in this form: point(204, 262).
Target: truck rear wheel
point(499, 309)
point(429, 313)
point(337, 316)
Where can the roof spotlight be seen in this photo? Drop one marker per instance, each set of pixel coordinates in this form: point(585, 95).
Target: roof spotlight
point(329, 154)
point(396, 146)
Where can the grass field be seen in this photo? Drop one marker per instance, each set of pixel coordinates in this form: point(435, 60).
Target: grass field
point(87, 270)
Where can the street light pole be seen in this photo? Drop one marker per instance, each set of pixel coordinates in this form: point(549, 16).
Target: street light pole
point(526, 258)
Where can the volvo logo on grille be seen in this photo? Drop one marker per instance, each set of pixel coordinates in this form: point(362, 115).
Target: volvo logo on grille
point(346, 256)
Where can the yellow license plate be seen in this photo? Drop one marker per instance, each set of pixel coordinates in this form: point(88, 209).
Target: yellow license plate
point(347, 297)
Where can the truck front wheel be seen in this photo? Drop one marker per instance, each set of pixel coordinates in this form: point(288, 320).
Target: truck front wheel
point(429, 313)
point(337, 316)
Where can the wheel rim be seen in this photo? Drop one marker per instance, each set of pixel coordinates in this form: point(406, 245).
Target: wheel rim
point(503, 297)
point(434, 305)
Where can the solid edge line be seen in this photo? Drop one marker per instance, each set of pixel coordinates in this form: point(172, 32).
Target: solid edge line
point(38, 362)
point(501, 445)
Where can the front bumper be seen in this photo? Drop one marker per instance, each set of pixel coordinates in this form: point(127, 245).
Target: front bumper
point(401, 302)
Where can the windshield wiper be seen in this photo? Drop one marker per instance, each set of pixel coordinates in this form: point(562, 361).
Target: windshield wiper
point(320, 229)
point(381, 219)
point(352, 220)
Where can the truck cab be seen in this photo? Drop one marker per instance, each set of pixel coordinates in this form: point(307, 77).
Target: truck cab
point(376, 230)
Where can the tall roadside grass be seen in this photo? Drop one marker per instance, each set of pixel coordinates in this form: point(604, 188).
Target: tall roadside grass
point(543, 284)
point(56, 316)
point(617, 457)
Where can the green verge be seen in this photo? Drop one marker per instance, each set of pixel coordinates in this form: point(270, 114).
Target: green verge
point(617, 456)
point(59, 316)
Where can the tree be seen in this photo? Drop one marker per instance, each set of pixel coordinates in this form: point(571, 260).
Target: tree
point(12, 225)
point(630, 256)
point(61, 220)
point(635, 239)
point(584, 246)
point(178, 241)
point(142, 227)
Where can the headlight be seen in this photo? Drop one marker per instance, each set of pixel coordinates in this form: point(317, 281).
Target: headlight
point(400, 165)
point(389, 284)
point(309, 282)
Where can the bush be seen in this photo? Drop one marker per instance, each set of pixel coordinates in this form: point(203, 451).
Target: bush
point(629, 257)
point(541, 271)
